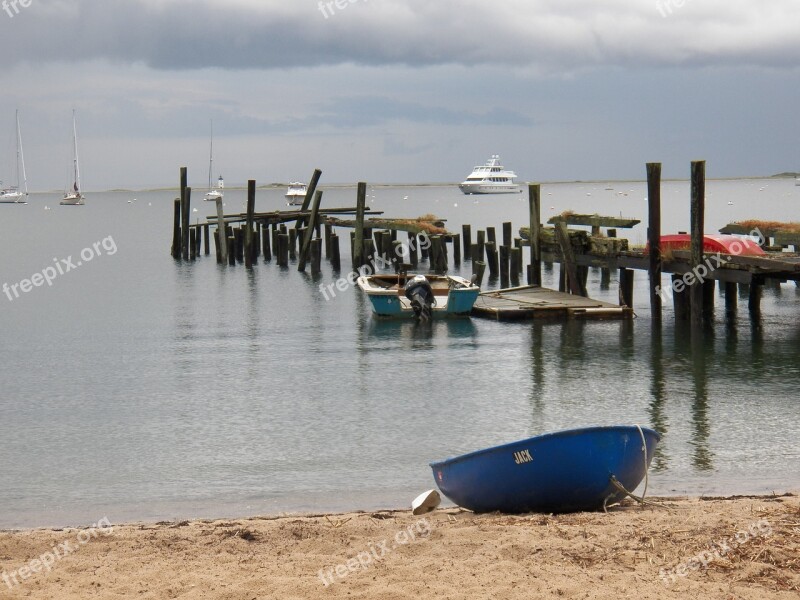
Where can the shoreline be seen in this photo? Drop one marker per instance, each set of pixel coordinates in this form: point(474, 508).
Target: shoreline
point(742, 546)
point(275, 186)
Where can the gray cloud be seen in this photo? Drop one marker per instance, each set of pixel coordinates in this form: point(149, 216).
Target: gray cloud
point(546, 35)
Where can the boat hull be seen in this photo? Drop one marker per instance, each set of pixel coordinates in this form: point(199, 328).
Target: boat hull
point(565, 471)
point(73, 200)
point(486, 188)
point(13, 199)
point(391, 303)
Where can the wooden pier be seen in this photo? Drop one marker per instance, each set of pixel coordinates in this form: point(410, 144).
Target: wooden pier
point(374, 244)
point(531, 302)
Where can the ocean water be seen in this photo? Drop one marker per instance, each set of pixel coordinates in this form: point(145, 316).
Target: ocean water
point(140, 388)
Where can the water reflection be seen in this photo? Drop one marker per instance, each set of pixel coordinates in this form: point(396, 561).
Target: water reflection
point(658, 393)
point(698, 343)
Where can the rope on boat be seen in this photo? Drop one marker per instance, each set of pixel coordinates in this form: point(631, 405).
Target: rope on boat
point(615, 482)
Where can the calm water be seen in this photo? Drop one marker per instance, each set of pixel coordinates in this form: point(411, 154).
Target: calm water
point(135, 387)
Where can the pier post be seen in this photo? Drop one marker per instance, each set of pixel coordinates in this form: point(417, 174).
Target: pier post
point(248, 232)
point(754, 300)
point(504, 280)
point(265, 243)
point(492, 259)
point(185, 206)
point(491, 235)
point(535, 210)
point(176, 230)
point(316, 254)
point(358, 243)
point(223, 247)
point(654, 237)
point(206, 244)
point(481, 242)
point(626, 287)
point(413, 259)
point(507, 237)
point(478, 269)
point(466, 236)
point(698, 185)
point(730, 297)
point(309, 232)
point(516, 261)
point(336, 263)
point(230, 244)
point(568, 259)
point(328, 232)
point(312, 187)
point(218, 247)
point(192, 243)
point(680, 298)
point(457, 249)
point(293, 234)
point(283, 249)
point(398, 256)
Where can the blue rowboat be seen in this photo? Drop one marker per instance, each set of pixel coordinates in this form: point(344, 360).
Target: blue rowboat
point(443, 295)
point(565, 471)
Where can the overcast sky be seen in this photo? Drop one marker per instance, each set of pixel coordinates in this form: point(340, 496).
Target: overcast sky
point(399, 90)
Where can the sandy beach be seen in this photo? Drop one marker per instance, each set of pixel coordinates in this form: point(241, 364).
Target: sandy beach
point(727, 548)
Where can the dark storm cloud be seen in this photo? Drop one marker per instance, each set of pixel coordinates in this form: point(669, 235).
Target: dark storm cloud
point(266, 34)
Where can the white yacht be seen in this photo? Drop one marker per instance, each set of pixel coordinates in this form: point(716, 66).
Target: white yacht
point(13, 194)
point(296, 193)
point(491, 178)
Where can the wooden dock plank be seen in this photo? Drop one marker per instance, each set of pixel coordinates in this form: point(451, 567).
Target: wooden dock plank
point(535, 303)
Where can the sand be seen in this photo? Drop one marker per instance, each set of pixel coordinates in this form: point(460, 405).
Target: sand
point(727, 548)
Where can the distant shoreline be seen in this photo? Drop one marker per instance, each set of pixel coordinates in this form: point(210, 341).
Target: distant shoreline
point(270, 186)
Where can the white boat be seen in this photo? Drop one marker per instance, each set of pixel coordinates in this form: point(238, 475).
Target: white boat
point(491, 178)
point(13, 195)
point(74, 197)
point(213, 193)
point(296, 193)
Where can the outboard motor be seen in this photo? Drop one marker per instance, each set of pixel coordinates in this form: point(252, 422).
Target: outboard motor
point(420, 292)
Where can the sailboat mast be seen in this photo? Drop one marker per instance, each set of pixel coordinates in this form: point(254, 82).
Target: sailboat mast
point(211, 155)
point(75, 145)
point(21, 157)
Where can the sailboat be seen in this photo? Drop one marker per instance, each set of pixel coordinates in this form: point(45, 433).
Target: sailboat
point(75, 197)
point(213, 194)
point(13, 195)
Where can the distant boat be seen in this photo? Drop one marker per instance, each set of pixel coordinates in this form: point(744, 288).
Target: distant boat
point(213, 193)
point(565, 471)
point(74, 197)
point(491, 178)
point(13, 194)
point(296, 193)
point(420, 296)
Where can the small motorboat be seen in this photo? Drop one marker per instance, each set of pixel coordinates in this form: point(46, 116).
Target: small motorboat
point(420, 296)
point(565, 471)
point(296, 193)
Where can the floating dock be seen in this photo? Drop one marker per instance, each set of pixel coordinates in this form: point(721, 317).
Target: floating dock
point(531, 302)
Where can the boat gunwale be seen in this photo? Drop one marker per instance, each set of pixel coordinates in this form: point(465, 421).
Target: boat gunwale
point(563, 433)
